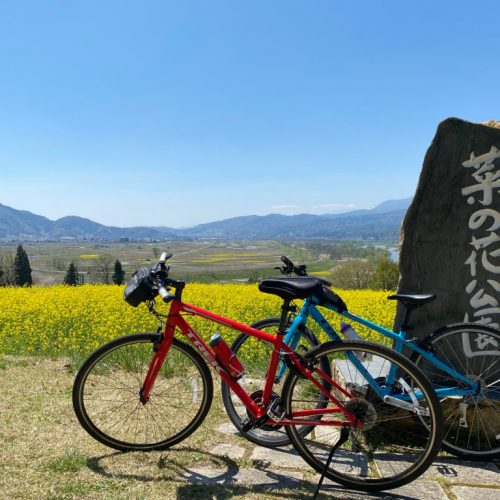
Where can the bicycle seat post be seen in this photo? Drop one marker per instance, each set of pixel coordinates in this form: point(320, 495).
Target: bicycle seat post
point(285, 309)
point(405, 325)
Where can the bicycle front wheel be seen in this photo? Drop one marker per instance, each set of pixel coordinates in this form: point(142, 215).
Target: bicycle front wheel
point(107, 389)
point(401, 427)
point(471, 423)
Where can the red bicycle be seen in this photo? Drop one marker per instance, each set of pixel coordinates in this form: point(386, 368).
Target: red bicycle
point(149, 391)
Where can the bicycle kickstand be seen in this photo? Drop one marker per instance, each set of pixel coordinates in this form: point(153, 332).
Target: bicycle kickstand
point(344, 436)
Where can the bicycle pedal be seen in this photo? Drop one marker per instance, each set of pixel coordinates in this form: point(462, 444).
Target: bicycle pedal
point(254, 423)
point(247, 425)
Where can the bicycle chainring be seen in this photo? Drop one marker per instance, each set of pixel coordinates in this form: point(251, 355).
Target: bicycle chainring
point(277, 408)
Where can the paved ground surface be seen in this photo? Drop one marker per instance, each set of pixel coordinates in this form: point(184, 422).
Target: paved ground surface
point(447, 478)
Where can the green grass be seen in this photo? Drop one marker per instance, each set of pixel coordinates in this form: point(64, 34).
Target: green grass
point(46, 454)
point(71, 461)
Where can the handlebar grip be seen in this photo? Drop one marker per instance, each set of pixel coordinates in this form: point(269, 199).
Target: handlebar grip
point(163, 293)
point(286, 260)
point(164, 257)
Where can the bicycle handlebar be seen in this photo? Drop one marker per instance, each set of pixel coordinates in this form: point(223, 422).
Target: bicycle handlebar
point(290, 267)
point(159, 273)
point(301, 270)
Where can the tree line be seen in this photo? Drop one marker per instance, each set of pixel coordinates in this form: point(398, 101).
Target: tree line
point(379, 274)
point(16, 270)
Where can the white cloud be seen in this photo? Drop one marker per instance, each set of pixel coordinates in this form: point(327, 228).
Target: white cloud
point(333, 207)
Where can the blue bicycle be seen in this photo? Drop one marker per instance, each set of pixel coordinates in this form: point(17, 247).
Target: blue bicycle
point(462, 361)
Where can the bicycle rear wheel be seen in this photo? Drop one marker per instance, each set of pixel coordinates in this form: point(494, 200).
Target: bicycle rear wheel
point(399, 436)
point(106, 394)
point(255, 356)
point(471, 423)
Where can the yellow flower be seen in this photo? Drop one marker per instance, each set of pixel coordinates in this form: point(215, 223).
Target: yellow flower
point(63, 320)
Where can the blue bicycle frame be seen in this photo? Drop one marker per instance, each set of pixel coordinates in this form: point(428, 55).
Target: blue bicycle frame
point(309, 309)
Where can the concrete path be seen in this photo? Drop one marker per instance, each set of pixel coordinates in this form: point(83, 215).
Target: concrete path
point(447, 478)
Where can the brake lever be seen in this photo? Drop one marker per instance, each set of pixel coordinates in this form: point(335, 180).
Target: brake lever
point(284, 270)
point(300, 270)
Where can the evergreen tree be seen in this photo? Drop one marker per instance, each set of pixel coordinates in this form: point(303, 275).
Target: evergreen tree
point(22, 269)
point(71, 277)
point(118, 275)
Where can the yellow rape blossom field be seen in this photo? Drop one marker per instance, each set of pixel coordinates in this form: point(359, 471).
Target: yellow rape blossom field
point(73, 321)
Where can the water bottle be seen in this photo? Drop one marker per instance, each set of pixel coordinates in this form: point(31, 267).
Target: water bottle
point(350, 334)
point(226, 357)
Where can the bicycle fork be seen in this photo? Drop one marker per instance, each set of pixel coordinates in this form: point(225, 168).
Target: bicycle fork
point(160, 354)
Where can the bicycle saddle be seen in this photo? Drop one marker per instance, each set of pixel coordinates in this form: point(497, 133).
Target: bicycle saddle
point(412, 301)
point(301, 288)
point(292, 288)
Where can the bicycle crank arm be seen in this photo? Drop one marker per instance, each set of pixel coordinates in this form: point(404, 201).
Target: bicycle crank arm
point(419, 410)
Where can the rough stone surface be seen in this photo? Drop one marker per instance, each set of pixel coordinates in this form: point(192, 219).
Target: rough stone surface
point(261, 477)
point(459, 471)
point(227, 428)
point(229, 450)
point(457, 200)
point(418, 489)
point(468, 493)
point(273, 471)
point(282, 457)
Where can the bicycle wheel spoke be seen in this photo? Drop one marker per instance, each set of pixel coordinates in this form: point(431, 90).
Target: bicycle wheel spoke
point(106, 394)
point(393, 444)
point(472, 422)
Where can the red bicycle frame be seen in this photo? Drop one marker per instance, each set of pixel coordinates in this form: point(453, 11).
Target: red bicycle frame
point(176, 319)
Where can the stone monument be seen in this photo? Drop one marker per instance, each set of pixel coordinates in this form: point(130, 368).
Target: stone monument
point(450, 237)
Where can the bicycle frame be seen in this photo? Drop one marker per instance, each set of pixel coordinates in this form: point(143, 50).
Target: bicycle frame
point(309, 309)
point(176, 320)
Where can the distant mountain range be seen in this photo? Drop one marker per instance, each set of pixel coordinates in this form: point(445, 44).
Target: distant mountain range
point(381, 222)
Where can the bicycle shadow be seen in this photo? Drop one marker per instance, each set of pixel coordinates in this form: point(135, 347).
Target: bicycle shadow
point(280, 485)
point(218, 480)
point(165, 467)
point(456, 468)
point(224, 479)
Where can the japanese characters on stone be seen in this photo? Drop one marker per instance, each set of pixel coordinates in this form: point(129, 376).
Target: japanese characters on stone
point(483, 263)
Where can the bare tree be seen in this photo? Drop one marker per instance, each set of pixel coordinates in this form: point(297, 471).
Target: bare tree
point(353, 274)
point(105, 266)
point(59, 264)
point(7, 264)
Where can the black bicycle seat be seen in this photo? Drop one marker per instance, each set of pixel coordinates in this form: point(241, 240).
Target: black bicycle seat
point(413, 300)
point(291, 288)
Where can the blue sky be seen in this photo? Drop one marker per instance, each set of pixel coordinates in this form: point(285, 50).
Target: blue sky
point(182, 112)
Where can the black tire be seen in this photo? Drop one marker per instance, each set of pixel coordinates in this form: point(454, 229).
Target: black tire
point(391, 448)
point(106, 394)
point(247, 349)
point(474, 351)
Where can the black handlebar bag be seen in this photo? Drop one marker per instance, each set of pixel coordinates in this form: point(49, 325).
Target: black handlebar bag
point(140, 287)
